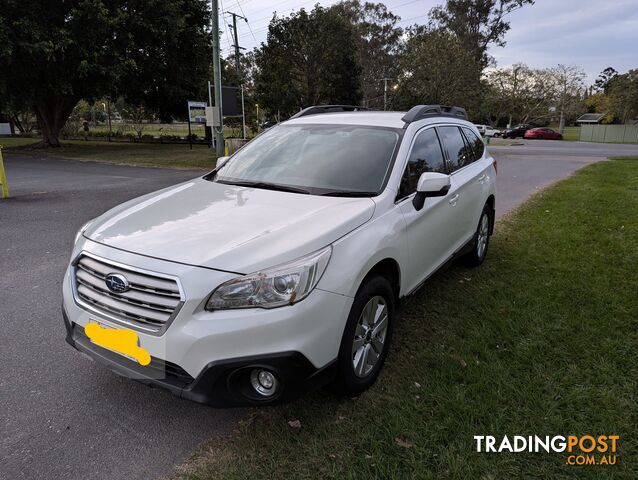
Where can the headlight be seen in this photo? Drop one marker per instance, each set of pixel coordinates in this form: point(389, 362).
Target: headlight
point(275, 287)
point(82, 230)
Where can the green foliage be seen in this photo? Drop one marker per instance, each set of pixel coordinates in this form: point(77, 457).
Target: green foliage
point(309, 58)
point(599, 103)
point(152, 52)
point(604, 80)
point(477, 23)
point(623, 96)
point(436, 68)
point(378, 45)
point(533, 95)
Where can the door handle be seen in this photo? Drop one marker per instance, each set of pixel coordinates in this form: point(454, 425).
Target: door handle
point(482, 177)
point(454, 199)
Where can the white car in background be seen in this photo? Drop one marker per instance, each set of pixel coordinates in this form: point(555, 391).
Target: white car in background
point(282, 269)
point(488, 131)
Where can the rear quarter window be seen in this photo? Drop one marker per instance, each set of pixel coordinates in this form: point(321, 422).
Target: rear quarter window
point(478, 147)
point(459, 153)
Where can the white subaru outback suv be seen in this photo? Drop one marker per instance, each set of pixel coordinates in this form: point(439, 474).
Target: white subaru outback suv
point(282, 269)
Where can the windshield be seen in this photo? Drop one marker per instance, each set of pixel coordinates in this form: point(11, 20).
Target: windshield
point(315, 159)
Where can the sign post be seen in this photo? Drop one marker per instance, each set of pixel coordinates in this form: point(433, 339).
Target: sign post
point(3, 177)
point(196, 114)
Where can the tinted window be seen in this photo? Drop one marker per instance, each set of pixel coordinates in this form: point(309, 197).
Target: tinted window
point(426, 156)
point(458, 151)
point(475, 142)
point(320, 158)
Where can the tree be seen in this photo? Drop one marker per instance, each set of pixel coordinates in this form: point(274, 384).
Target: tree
point(598, 102)
point(477, 23)
point(309, 58)
point(151, 52)
point(623, 96)
point(436, 69)
point(604, 79)
point(378, 45)
point(519, 93)
point(568, 84)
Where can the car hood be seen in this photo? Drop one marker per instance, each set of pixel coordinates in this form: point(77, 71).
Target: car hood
point(227, 227)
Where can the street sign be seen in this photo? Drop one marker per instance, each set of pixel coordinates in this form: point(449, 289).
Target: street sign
point(197, 112)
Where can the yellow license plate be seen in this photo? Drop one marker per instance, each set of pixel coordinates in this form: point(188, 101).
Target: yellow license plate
point(122, 341)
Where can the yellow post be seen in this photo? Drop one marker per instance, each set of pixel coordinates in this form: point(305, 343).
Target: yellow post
point(3, 177)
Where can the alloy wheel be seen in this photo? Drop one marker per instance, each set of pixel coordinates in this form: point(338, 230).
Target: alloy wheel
point(370, 335)
point(483, 235)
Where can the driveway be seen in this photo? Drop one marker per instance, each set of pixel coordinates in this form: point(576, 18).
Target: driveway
point(534, 164)
point(65, 417)
point(61, 415)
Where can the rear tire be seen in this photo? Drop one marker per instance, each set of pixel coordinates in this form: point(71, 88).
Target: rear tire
point(481, 240)
point(366, 337)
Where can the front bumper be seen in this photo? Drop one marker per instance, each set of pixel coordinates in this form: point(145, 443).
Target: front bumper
point(202, 355)
point(221, 383)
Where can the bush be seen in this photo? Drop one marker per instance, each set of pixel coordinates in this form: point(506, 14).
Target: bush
point(171, 137)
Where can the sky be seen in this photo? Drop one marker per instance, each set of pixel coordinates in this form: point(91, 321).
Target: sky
point(592, 34)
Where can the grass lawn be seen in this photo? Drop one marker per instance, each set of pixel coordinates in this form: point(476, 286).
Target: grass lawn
point(541, 340)
point(13, 142)
point(157, 129)
point(141, 154)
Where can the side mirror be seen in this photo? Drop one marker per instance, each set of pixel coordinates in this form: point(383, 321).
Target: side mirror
point(431, 184)
point(221, 161)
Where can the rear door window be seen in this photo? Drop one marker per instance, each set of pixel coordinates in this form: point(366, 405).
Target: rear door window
point(459, 153)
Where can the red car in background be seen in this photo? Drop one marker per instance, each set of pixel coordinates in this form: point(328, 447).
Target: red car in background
point(545, 133)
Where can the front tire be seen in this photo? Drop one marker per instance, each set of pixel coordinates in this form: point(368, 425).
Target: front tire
point(366, 338)
point(481, 241)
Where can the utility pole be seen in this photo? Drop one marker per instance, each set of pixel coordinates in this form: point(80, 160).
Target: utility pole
point(238, 68)
point(217, 80)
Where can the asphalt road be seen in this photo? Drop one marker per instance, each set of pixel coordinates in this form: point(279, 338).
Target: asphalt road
point(64, 417)
point(534, 164)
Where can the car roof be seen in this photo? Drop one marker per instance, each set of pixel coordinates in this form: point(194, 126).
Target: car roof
point(370, 118)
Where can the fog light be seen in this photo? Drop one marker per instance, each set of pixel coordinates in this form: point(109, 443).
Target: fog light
point(264, 382)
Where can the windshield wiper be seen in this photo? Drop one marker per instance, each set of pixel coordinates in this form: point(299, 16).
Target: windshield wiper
point(345, 193)
point(266, 186)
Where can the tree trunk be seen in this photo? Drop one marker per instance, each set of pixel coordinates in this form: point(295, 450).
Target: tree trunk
point(52, 113)
point(16, 123)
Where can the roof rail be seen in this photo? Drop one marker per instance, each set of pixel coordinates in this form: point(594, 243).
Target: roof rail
point(316, 109)
point(420, 112)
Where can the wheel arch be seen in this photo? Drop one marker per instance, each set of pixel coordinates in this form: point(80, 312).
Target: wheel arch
point(388, 268)
point(491, 201)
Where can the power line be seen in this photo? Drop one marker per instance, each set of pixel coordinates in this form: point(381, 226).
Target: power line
point(284, 12)
point(264, 26)
point(271, 7)
point(247, 22)
point(230, 48)
point(402, 4)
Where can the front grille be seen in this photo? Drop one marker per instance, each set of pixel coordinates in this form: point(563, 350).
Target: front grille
point(149, 305)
